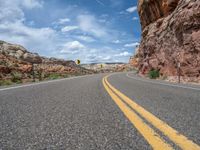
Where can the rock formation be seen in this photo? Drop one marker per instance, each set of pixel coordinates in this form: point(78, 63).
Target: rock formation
point(170, 35)
point(15, 59)
point(108, 67)
point(134, 60)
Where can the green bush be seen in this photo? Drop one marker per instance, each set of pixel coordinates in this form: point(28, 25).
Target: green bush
point(153, 74)
point(16, 77)
point(5, 82)
point(54, 76)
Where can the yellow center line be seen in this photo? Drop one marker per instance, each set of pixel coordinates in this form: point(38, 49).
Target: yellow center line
point(173, 135)
point(148, 133)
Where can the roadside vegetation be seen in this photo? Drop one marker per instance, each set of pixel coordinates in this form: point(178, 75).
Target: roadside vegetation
point(153, 74)
point(17, 78)
point(54, 76)
point(5, 82)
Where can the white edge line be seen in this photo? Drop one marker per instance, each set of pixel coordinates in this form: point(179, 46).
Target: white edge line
point(184, 87)
point(43, 82)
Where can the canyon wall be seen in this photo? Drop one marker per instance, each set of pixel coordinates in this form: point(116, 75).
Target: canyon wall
point(170, 35)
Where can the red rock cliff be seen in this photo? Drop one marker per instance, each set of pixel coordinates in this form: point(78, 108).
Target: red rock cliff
point(151, 10)
point(170, 34)
point(15, 59)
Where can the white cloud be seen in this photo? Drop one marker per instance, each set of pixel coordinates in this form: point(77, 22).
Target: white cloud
point(28, 4)
point(15, 28)
point(32, 38)
point(63, 20)
point(135, 18)
point(72, 47)
point(86, 38)
point(89, 24)
point(32, 4)
point(107, 54)
point(94, 55)
point(10, 12)
point(131, 44)
point(98, 56)
point(123, 54)
point(122, 12)
point(103, 20)
point(101, 3)
point(131, 9)
point(69, 28)
point(116, 42)
point(107, 58)
point(116, 3)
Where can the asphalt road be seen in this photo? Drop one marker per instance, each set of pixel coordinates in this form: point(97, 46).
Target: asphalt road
point(79, 113)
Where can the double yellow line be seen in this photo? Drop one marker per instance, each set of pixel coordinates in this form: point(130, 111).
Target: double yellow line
point(135, 113)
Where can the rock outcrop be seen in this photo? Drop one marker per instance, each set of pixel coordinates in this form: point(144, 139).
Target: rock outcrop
point(170, 35)
point(134, 60)
point(15, 59)
point(152, 10)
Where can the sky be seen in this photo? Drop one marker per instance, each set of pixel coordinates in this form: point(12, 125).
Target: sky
point(93, 31)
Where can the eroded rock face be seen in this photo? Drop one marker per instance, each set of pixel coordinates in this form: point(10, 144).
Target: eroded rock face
point(152, 10)
point(171, 34)
point(16, 59)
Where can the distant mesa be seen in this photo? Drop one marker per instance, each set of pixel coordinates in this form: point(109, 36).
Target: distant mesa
point(108, 67)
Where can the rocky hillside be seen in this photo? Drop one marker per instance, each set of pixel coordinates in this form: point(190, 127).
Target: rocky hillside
point(170, 35)
point(16, 65)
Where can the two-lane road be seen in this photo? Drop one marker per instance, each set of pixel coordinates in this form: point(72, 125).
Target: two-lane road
point(86, 113)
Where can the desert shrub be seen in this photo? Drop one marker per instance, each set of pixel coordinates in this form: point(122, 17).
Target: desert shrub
point(54, 76)
point(65, 75)
point(29, 76)
point(153, 74)
point(3, 62)
point(41, 75)
point(5, 82)
point(16, 77)
point(16, 65)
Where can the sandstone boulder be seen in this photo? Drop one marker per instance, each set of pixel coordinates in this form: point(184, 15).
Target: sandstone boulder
point(32, 58)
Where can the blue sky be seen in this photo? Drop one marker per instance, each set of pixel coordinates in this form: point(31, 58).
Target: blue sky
point(89, 30)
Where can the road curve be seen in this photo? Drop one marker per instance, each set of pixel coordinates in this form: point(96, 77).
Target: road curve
point(79, 113)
